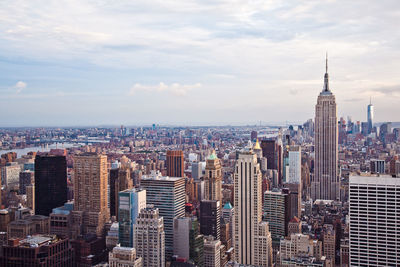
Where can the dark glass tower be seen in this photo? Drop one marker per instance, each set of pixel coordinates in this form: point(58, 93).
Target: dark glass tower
point(210, 216)
point(50, 183)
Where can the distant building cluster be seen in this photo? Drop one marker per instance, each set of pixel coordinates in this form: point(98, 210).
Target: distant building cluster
point(325, 193)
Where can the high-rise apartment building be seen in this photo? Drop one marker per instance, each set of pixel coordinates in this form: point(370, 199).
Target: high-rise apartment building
point(149, 237)
point(50, 183)
point(374, 221)
point(175, 163)
point(131, 202)
point(249, 239)
point(213, 178)
point(90, 192)
point(210, 216)
point(325, 184)
point(167, 194)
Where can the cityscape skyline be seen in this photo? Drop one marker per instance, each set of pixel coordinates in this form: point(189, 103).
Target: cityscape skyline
point(158, 61)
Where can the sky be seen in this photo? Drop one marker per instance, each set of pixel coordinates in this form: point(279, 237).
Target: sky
point(195, 62)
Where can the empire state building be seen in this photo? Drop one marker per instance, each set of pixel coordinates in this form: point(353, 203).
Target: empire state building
point(325, 184)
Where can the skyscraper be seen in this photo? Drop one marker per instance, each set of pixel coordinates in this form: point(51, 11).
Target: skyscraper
point(168, 195)
point(149, 237)
point(374, 221)
point(131, 202)
point(210, 216)
point(252, 237)
point(188, 243)
point(175, 163)
point(370, 117)
point(90, 192)
point(120, 180)
point(325, 184)
point(50, 183)
point(272, 151)
point(213, 178)
point(294, 165)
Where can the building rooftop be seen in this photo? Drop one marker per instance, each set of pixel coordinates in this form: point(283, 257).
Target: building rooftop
point(228, 206)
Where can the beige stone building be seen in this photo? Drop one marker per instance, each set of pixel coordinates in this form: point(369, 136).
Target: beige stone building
point(90, 194)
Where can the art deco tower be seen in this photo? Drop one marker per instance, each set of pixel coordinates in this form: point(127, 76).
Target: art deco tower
point(325, 184)
point(213, 179)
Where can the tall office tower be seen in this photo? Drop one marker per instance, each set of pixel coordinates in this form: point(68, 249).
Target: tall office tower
point(370, 116)
point(197, 171)
point(50, 183)
point(188, 243)
point(90, 192)
point(276, 214)
point(248, 210)
point(212, 252)
point(175, 163)
point(294, 165)
point(120, 180)
point(25, 178)
point(325, 184)
point(210, 216)
point(124, 257)
point(149, 237)
point(293, 192)
point(168, 195)
point(131, 202)
point(272, 150)
point(213, 178)
point(385, 129)
point(30, 196)
point(374, 221)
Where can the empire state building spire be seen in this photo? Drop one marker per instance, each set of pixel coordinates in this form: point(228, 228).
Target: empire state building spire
point(326, 77)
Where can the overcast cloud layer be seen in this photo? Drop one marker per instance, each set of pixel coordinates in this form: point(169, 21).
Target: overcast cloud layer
point(81, 62)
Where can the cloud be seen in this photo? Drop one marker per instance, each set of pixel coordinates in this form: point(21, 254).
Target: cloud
point(387, 91)
point(174, 88)
point(19, 86)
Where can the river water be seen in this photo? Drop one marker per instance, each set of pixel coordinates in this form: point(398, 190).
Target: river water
point(23, 151)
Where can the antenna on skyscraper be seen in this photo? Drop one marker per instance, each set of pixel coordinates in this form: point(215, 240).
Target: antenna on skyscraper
point(326, 63)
